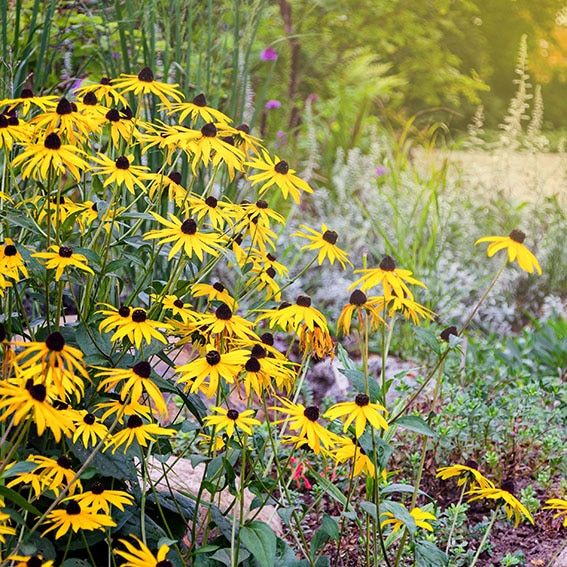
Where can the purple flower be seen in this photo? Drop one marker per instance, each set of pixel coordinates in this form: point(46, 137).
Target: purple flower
point(269, 54)
point(273, 104)
point(381, 170)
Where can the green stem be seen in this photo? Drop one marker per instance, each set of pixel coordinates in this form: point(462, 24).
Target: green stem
point(454, 523)
point(484, 537)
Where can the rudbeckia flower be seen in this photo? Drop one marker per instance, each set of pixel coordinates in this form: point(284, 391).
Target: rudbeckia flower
point(421, 517)
point(104, 91)
point(277, 172)
point(185, 235)
point(224, 323)
point(38, 159)
point(512, 505)
point(514, 244)
point(326, 242)
point(11, 261)
point(560, 506)
point(409, 308)
point(214, 292)
point(465, 474)
point(361, 411)
point(347, 449)
point(364, 306)
point(26, 100)
point(63, 257)
point(115, 317)
point(218, 213)
point(144, 83)
point(30, 560)
point(316, 341)
point(88, 428)
point(142, 556)
point(122, 172)
point(290, 317)
point(12, 130)
point(196, 109)
point(139, 431)
point(75, 518)
point(122, 126)
point(98, 498)
point(140, 328)
point(230, 419)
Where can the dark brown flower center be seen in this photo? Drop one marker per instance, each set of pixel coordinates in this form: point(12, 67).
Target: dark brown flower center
point(139, 316)
point(34, 561)
point(37, 391)
point(134, 421)
point(223, 312)
point(271, 257)
point(200, 100)
point(303, 301)
point(3, 121)
point(267, 339)
point(175, 176)
point(271, 272)
point(2, 332)
point(311, 413)
point(112, 115)
point(97, 488)
point(124, 311)
point(178, 303)
point(126, 113)
point(64, 107)
point(13, 120)
point(387, 264)
point(65, 251)
point(252, 365)
point(146, 75)
point(261, 204)
point(211, 201)
point(244, 128)
point(89, 419)
point(26, 93)
point(258, 351)
point(282, 167)
point(219, 287)
point(90, 99)
point(64, 462)
point(55, 341)
point(52, 141)
point(189, 227)
point(446, 333)
point(209, 130)
point(213, 357)
point(164, 563)
point(330, 236)
point(361, 400)
point(73, 508)
point(105, 81)
point(357, 297)
point(142, 369)
point(232, 414)
point(517, 236)
point(122, 163)
point(10, 250)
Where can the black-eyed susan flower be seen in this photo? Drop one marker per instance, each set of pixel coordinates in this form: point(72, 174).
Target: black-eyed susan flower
point(326, 242)
point(224, 323)
point(265, 280)
point(185, 235)
point(27, 100)
point(12, 130)
point(277, 172)
point(122, 126)
point(178, 307)
point(122, 171)
point(393, 279)
point(262, 261)
point(139, 328)
point(50, 154)
point(141, 556)
point(256, 213)
point(560, 506)
point(115, 317)
point(290, 317)
point(216, 213)
point(347, 450)
point(75, 518)
point(365, 307)
point(137, 430)
point(11, 261)
point(361, 411)
point(133, 381)
point(243, 140)
point(121, 408)
point(214, 366)
point(104, 92)
point(514, 244)
point(63, 257)
point(171, 181)
point(85, 213)
point(421, 518)
point(196, 109)
point(407, 306)
point(145, 83)
point(304, 420)
point(99, 498)
point(5, 529)
point(88, 428)
point(214, 292)
point(30, 561)
point(317, 342)
point(229, 419)
point(512, 506)
point(465, 474)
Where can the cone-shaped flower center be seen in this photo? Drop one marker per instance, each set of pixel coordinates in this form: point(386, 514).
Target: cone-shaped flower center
point(357, 297)
point(3, 121)
point(189, 227)
point(134, 421)
point(281, 167)
point(261, 204)
point(146, 75)
point(213, 357)
point(10, 250)
point(97, 488)
point(330, 236)
point(244, 128)
point(73, 508)
point(211, 201)
point(112, 115)
point(387, 264)
point(105, 81)
point(178, 303)
point(90, 99)
point(64, 462)
point(142, 369)
point(13, 120)
point(517, 236)
point(89, 419)
point(267, 339)
point(252, 365)
point(223, 312)
point(126, 113)
point(271, 272)
point(200, 100)
point(26, 93)
point(361, 400)
point(311, 413)
point(65, 251)
point(219, 287)
point(55, 341)
point(124, 311)
point(122, 163)
point(139, 316)
point(303, 301)
point(164, 563)
point(34, 561)
point(2, 332)
point(52, 141)
point(64, 107)
point(209, 130)
point(258, 351)
point(37, 391)
point(232, 414)
point(446, 333)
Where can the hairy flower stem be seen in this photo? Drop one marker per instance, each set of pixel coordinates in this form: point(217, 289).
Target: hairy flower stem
point(484, 537)
point(454, 522)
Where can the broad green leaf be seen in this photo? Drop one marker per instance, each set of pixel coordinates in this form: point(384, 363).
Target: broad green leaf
point(331, 527)
point(415, 423)
point(18, 500)
point(18, 468)
point(428, 555)
point(260, 540)
point(427, 337)
point(408, 488)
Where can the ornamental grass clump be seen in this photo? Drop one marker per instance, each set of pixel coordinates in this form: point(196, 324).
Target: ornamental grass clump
point(118, 340)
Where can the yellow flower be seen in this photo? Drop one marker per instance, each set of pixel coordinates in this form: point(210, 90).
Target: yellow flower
point(142, 556)
point(30, 560)
point(316, 341)
point(5, 529)
point(223, 323)
point(11, 261)
point(104, 91)
point(12, 130)
point(465, 474)
point(73, 517)
point(512, 505)
point(218, 213)
point(137, 430)
point(277, 172)
point(394, 280)
point(38, 159)
point(514, 244)
point(122, 172)
point(98, 498)
point(89, 429)
point(360, 411)
point(326, 242)
point(26, 100)
point(198, 108)
point(187, 236)
point(139, 328)
point(63, 257)
point(289, 317)
point(348, 449)
point(559, 505)
point(421, 518)
point(230, 419)
point(144, 83)
point(364, 306)
point(409, 308)
point(214, 292)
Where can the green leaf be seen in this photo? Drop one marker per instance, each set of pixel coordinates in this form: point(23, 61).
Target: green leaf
point(359, 383)
point(331, 527)
point(19, 468)
point(260, 540)
point(74, 562)
point(408, 488)
point(370, 508)
point(428, 555)
point(427, 337)
point(415, 423)
point(399, 512)
point(18, 500)
point(318, 541)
